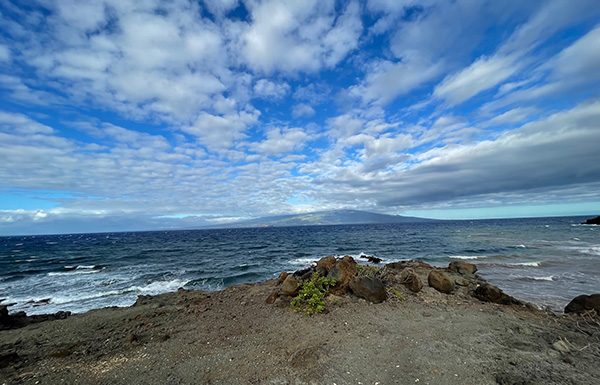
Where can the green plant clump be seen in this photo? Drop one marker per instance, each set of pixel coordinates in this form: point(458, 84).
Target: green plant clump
point(367, 271)
point(310, 299)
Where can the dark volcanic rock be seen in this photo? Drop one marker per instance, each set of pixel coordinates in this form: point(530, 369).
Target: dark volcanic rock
point(440, 281)
point(583, 303)
point(592, 221)
point(290, 285)
point(369, 288)
point(462, 267)
point(372, 259)
point(411, 280)
point(490, 293)
point(304, 273)
point(325, 264)
point(343, 272)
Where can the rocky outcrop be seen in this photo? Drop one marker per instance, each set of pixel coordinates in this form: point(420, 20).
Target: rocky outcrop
point(584, 303)
point(462, 267)
point(20, 319)
point(370, 288)
point(440, 281)
point(282, 276)
point(343, 272)
point(490, 293)
point(411, 280)
point(401, 265)
point(592, 221)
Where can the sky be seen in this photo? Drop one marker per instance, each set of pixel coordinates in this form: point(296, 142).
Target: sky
point(133, 115)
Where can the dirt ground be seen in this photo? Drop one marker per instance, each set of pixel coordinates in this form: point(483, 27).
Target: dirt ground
point(234, 337)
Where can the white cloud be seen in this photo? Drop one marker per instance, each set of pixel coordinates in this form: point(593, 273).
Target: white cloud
point(299, 35)
point(267, 89)
point(280, 141)
point(302, 110)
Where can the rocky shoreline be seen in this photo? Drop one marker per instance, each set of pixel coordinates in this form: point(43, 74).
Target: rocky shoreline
point(335, 322)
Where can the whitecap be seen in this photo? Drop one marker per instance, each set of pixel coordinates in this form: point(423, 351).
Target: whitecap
point(304, 261)
point(531, 264)
point(467, 256)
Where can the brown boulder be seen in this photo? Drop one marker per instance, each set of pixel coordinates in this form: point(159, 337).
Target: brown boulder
point(440, 281)
point(462, 267)
point(290, 285)
point(272, 297)
point(325, 264)
point(343, 272)
point(490, 293)
point(282, 276)
point(411, 280)
point(401, 265)
point(583, 303)
point(369, 288)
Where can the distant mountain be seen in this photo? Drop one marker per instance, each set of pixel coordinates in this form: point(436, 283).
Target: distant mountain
point(332, 217)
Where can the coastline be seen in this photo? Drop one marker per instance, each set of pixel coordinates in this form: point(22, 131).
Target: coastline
point(234, 336)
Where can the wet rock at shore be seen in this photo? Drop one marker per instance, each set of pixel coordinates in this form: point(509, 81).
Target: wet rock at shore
point(370, 288)
point(20, 319)
point(372, 259)
point(290, 285)
point(490, 293)
point(343, 272)
point(440, 281)
point(584, 303)
point(462, 267)
point(325, 264)
point(411, 280)
point(592, 221)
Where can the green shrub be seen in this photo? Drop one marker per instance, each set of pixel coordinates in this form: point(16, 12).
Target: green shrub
point(310, 299)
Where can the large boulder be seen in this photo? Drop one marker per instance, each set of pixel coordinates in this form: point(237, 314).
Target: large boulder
point(440, 281)
point(462, 267)
point(583, 303)
point(369, 288)
point(411, 280)
point(290, 286)
point(343, 272)
point(490, 293)
point(325, 264)
point(282, 276)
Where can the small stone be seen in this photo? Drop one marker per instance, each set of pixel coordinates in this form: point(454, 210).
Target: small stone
point(561, 346)
point(272, 297)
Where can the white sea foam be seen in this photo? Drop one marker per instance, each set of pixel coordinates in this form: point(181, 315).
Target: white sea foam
point(72, 272)
point(531, 264)
point(467, 256)
point(304, 261)
point(521, 246)
point(546, 278)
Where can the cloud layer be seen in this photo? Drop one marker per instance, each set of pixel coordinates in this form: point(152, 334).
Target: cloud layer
point(188, 113)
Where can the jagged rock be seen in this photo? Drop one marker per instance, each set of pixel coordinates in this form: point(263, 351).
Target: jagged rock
point(490, 293)
point(343, 272)
point(440, 281)
point(411, 280)
point(401, 265)
point(282, 276)
point(583, 303)
point(272, 297)
point(290, 285)
point(462, 267)
point(369, 288)
point(325, 264)
point(371, 258)
point(592, 221)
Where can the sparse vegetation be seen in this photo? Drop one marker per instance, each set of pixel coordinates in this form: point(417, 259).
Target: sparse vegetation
point(310, 299)
point(367, 271)
point(397, 293)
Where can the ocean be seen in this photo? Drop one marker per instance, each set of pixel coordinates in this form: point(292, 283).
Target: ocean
point(546, 261)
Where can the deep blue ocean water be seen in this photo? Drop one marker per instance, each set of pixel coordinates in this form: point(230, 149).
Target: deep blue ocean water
point(547, 261)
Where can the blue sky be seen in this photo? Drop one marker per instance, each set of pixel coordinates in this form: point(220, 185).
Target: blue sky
point(122, 115)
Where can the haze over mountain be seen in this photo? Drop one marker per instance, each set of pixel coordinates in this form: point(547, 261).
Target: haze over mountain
point(328, 217)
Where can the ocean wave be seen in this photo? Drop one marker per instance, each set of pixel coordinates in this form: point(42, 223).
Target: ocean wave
point(303, 261)
point(78, 270)
point(530, 264)
point(548, 278)
point(513, 264)
point(467, 256)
